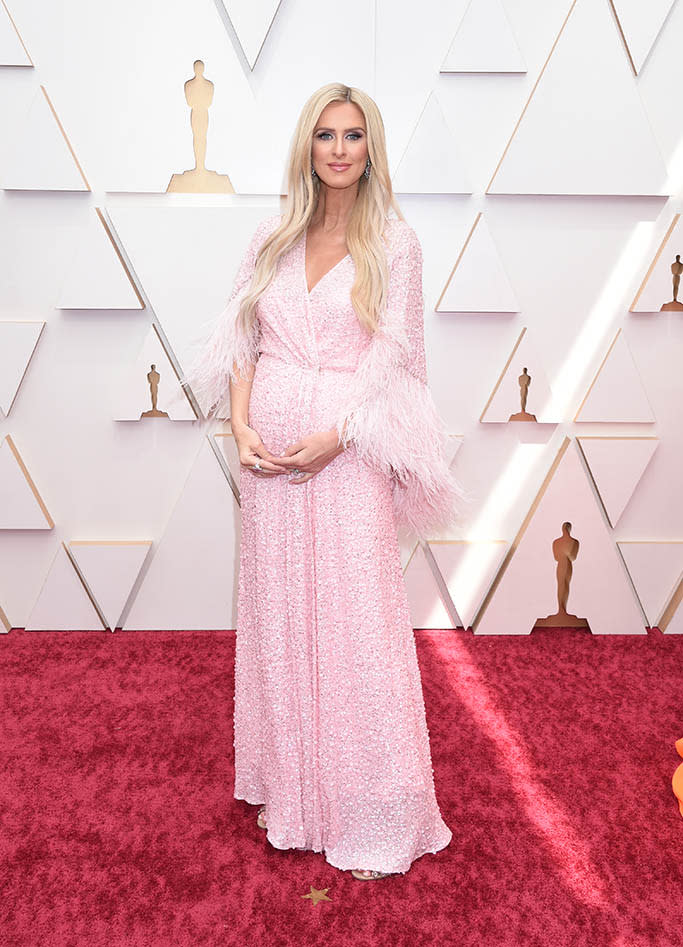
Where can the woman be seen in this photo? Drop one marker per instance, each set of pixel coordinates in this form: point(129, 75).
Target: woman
point(321, 350)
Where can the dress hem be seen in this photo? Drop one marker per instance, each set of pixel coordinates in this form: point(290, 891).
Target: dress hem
point(345, 864)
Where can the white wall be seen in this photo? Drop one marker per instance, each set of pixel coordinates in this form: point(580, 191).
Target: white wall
point(576, 248)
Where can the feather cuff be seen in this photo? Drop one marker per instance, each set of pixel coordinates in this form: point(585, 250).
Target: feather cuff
point(391, 418)
point(219, 348)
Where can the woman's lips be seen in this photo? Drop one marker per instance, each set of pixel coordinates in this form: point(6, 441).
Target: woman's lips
point(339, 167)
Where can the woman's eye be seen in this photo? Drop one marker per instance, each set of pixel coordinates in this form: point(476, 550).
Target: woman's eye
point(327, 134)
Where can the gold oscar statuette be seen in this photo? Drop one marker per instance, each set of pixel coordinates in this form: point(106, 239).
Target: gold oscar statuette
point(524, 383)
point(676, 270)
point(199, 95)
point(153, 377)
point(565, 551)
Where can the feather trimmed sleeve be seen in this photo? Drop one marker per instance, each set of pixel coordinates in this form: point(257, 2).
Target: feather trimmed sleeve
point(390, 415)
point(222, 350)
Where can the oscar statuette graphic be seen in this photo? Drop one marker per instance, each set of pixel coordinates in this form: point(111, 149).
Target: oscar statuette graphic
point(565, 551)
point(153, 377)
point(199, 95)
point(676, 270)
point(524, 383)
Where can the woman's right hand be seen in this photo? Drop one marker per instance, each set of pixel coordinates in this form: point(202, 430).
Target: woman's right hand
point(251, 449)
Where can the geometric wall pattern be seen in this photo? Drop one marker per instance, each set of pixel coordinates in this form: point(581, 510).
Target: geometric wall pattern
point(97, 277)
point(251, 23)
point(43, 157)
point(63, 603)
point(617, 392)
point(640, 24)
point(505, 400)
point(484, 41)
point(187, 584)
point(21, 505)
point(656, 290)
point(570, 138)
point(530, 138)
point(18, 341)
point(656, 569)
point(616, 465)
point(427, 170)
point(468, 568)
point(671, 622)
point(12, 49)
point(151, 385)
point(108, 570)
point(526, 588)
point(478, 281)
point(428, 607)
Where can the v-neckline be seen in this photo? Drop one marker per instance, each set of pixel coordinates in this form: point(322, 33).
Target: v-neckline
point(326, 274)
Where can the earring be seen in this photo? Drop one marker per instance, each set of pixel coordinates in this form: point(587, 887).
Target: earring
point(314, 173)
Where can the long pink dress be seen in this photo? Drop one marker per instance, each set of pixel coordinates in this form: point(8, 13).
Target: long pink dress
point(329, 719)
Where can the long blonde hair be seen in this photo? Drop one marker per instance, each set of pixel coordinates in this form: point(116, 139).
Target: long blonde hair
point(366, 224)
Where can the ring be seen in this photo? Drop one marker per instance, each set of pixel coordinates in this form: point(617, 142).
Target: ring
point(257, 466)
point(296, 471)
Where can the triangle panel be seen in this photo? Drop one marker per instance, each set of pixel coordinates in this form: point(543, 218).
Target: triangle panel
point(616, 465)
point(424, 169)
point(656, 569)
point(63, 603)
point(478, 282)
point(530, 582)
point(18, 342)
point(191, 582)
point(484, 41)
point(570, 138)
point(616, 394)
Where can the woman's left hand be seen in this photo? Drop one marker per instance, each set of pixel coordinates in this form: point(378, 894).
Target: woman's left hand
point(311, 454)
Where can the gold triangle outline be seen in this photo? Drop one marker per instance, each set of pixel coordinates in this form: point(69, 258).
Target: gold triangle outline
point(457, 263)
point(66, 138)
point(651, 542)
point(86, 588)
point(23, 322)
point(662, 245)
point(531, 95)
point(502, 374)
point(623, 35)
point(521, 531)
point(29, 481)
point(82, 576)
point(16, 30)
point(108, 229)
point(597, 375)
point(671, 607)
point(611, 437)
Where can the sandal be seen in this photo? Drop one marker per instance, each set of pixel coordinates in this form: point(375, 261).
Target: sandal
point(366, 874)
point(362, 874)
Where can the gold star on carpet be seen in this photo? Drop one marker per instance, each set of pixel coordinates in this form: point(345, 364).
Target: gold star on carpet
point(317, 894)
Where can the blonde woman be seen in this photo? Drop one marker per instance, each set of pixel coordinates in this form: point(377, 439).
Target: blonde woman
point(320, 349)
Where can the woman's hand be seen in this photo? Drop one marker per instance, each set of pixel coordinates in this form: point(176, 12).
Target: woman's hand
point(251, 448)
point(311, 454)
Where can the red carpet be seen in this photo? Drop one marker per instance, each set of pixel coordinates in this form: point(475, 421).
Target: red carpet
point(553, 756)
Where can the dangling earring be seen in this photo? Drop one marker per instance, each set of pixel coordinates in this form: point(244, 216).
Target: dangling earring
point(367, 169)
point(314, 173)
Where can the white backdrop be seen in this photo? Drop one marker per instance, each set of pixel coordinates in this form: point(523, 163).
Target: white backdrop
point(563, 132)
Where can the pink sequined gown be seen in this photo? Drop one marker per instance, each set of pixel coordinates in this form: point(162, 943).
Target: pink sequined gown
point(329, 720)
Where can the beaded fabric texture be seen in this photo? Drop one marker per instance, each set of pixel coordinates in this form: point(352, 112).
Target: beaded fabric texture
point(329, 720)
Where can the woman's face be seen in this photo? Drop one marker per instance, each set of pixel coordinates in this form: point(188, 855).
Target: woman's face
point(339, 149)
